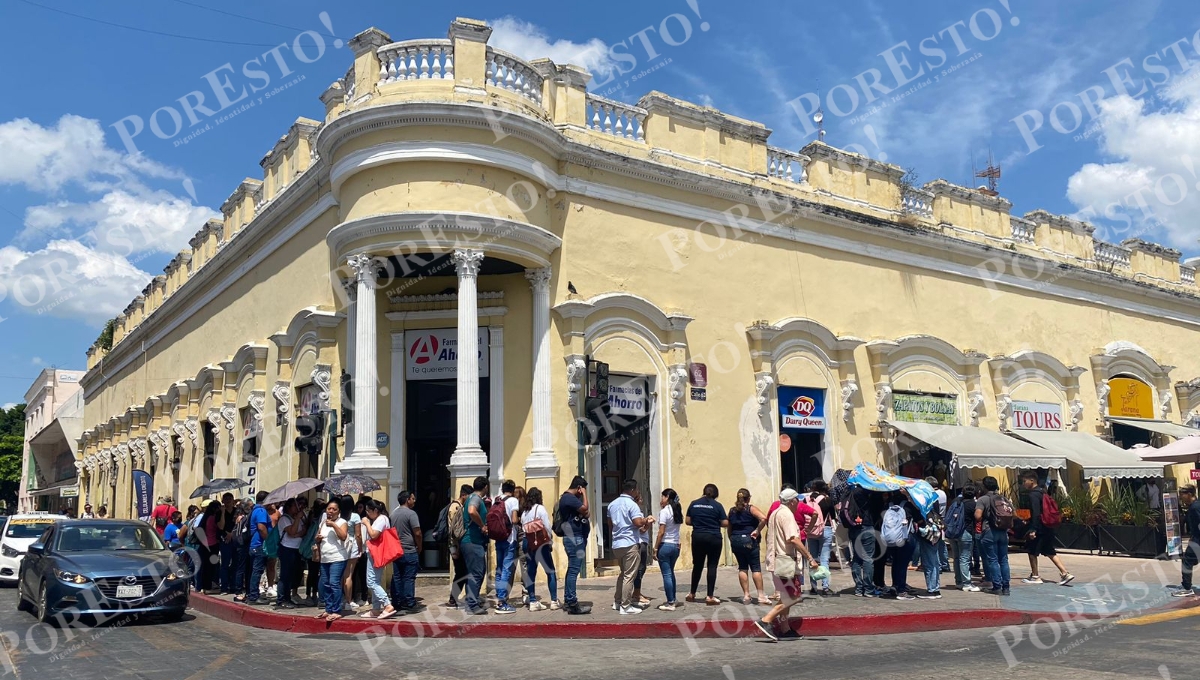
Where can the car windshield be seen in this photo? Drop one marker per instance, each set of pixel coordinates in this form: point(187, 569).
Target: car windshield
point(111, 536)
point(26, 527)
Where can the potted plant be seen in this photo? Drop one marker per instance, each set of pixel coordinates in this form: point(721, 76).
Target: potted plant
point(1077, 532)
point(1129, 525)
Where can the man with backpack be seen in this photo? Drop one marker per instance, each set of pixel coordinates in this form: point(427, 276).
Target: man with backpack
point(996, 513)
point(502, 519)
point(456, 528)
point(474, 543)
point(897, 531)
point(960, 534)
point(855, 514)
point(1044, 518)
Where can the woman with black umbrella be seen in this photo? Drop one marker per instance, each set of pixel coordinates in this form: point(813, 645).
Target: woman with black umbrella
point(207, 533)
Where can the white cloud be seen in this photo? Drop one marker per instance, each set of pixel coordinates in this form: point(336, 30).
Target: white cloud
point(36, 361)
point(531, 42)
point(1151, 189)
point(121, 222)
point(68, 279)
point(8, 406)
point(72, 151)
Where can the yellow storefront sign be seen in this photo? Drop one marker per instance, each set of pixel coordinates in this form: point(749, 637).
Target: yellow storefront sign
point(1130, 398)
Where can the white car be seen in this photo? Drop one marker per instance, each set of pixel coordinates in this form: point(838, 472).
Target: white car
point(20, 532)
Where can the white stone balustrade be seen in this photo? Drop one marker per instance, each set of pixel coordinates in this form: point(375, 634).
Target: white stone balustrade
point(1109, 254)
point(617, 119)
point(918, 202)
point(511, 73)
point(787, 165)
point(416, 60)
point(1187, 275)
point(1023, 230)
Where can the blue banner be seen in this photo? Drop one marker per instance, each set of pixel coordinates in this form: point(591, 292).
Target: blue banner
point(143, 494)
point(801, 408)
point(872, 478)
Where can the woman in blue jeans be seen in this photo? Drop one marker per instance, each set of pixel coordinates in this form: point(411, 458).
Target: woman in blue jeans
point(333, 545)
point(666, 549)
point(536, 523)
point(820, 541)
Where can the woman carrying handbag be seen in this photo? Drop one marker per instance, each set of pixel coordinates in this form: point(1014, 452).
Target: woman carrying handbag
point(539, 549)
point(379, 535)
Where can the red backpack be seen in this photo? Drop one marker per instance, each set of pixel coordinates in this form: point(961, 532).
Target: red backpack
point(499, 524)
point(1051, 517)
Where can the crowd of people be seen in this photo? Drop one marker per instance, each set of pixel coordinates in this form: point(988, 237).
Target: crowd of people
point(320, 555)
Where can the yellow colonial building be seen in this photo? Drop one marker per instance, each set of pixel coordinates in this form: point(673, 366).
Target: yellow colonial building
point(463, 230)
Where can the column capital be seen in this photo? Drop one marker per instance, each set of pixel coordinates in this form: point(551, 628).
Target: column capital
point(363, 266)
point(467, 262)
point(539, 279)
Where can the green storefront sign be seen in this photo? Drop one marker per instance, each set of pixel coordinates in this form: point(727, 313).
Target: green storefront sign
point(925, 408)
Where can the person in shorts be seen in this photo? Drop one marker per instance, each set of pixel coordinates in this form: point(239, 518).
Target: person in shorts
point(784, 544)
point(1040, 538)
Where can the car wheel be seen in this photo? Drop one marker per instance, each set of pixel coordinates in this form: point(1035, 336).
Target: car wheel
point(23, 605)
point(43, 607)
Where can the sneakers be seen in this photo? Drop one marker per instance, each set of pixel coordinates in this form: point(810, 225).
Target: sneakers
point(536, 606)
point(765, 629)
point(931, 595)
point(451, 605)
point(666, 607)
point(1032, 579)
point(505, 608)
point(904, 596)
point(1066, 579)
point(1183, 592)
point(625, 611)
point(791, 635)
point(1006, 592)
point(576, 609)
point(995, 591)
point(555, 606)
point(971, 588)
point(872, 593)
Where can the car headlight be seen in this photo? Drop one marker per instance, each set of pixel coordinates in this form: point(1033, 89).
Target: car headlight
point(9, 551)
point(71, 577)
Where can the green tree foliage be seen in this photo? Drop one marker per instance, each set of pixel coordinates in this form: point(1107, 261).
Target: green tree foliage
point(12, 444)
point(105, 341)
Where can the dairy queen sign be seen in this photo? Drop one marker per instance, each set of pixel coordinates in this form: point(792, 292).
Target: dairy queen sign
point(801, 408)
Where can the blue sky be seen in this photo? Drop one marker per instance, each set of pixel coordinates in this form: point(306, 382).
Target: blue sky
point(87, 217)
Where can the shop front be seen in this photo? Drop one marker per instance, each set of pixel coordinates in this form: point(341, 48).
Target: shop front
point(918, 458)
point(624, 449)
point(802, 426)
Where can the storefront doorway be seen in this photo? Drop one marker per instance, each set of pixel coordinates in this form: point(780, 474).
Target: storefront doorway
point(432, 434)
point(625, 448)
point(802, 435)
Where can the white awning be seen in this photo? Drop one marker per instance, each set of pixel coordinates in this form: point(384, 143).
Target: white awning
point(1160, 426)
point(977, 448)
point(1098, 457)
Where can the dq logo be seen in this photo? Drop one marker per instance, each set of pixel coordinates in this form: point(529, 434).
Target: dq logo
point(424, 349)
point(804, 406)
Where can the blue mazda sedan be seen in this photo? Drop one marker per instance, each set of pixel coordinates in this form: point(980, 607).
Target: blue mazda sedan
point(99, 570)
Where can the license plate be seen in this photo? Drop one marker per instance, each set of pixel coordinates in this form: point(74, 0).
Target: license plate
point(129, 591)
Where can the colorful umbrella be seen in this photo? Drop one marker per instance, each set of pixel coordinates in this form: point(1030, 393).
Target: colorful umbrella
point(216, 486)
point(292, 489)
point(872, 478)
point(839, 486)
point(350, 485)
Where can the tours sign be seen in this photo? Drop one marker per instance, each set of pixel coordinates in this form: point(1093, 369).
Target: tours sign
point(1036, 415)
point(801, 408)
point(935, 409)
point(433, 354)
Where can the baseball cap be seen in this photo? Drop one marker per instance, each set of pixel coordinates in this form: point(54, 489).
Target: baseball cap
point(788, 495)
point(577, 481)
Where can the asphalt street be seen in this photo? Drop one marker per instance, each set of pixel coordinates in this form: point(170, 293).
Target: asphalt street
point(1158, 646)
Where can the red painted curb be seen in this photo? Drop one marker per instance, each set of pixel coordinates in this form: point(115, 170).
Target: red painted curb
point(694, 625)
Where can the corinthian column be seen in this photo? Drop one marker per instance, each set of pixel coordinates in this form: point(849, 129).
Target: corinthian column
point(542, 462)
point(468, 453)
point(364, 454)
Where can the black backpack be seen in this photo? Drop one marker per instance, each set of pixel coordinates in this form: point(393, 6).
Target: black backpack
point(242, 531)
point(558, 521)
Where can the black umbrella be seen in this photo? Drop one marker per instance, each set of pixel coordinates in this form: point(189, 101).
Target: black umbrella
point(215, 486)
point(292, 489)
point(839, 487)
point(350, 485)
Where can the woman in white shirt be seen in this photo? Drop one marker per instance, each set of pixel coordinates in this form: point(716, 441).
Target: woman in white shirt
point(535, 522)
point(377, 523)
point(354, 520)
point(666, 550)
point(332, 544)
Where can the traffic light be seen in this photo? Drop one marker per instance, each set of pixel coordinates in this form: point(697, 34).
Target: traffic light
point(347, 398)
point(596, 415)
point(309, 429)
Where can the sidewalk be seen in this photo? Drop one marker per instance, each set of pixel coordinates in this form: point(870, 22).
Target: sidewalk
point(1104, 587)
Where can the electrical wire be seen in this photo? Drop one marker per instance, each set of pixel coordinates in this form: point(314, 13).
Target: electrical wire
point(240, 16)
point(145, 30)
